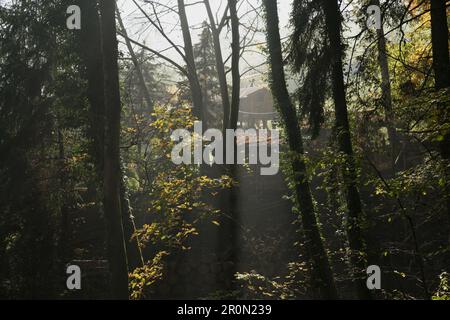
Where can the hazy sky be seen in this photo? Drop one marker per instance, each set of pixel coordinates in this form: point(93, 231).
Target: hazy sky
point(139, 28)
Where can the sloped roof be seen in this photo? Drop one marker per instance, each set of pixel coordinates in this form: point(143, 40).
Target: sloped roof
point(245, 92)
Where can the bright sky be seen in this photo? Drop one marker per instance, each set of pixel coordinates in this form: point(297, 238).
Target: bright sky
point(139, 28)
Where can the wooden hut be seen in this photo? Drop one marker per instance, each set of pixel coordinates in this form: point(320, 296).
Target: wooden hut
point(256, 108)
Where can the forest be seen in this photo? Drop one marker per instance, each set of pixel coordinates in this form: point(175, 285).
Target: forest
point(224, 150)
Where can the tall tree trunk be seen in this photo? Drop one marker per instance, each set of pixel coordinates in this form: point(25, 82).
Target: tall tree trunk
point(220, 66)
point(194, 83)
point(322, 274)
point(91, 53)
point(439, 33)
point(231, 228)
point(64, 236)
point(232, 124)
point(236, 56)
point(354, 207)
point(137, 66)
point(387, 95)
point(92, 58)
point(441, 66)
point(112, 171)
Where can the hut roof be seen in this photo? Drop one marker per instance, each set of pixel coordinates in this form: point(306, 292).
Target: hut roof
point(245, 92)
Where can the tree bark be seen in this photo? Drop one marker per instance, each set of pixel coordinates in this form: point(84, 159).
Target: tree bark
point(232, 124)
point(439, 33)
point(112, 171)
point(387, 95)
point(91, 53)
point(194, 83)
point(64, 236)
point(441, 66)
point(220, 67)
point(236, 56)
point(354, 207)
point(321, 274)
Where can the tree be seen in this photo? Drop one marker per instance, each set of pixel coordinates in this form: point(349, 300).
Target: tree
point(206, 69)
point(197, 97)
point(220, 66)
point(439, 34)
point(322, 274)
point(112, 170)
point(91, 56)
point(236, 56)
point(342, 127)
point(26, 228)
point(386, 96)
point(441, 66)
